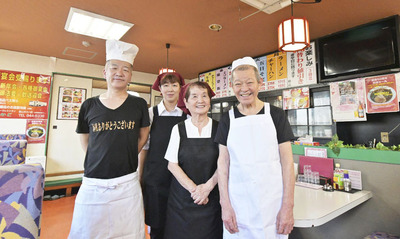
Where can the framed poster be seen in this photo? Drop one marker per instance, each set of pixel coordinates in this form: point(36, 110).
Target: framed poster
point(69, 102)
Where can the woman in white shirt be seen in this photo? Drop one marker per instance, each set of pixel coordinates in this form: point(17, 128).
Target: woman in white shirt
point(193, 205)
point(156, 178)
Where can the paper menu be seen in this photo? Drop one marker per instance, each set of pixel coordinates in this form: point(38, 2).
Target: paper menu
point(316, 152)
point(355, 178)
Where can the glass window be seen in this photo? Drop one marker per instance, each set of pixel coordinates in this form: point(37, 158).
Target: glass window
point(300, 131)
point(321, 98)
point(321, 131)
point(320, 115)
point(297, 117)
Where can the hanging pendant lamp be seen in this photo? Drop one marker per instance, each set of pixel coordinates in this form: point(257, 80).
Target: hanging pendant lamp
point(293, 34)
point(166, 70)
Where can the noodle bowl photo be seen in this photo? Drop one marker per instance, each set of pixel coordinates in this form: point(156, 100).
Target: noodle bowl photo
point(381, 94)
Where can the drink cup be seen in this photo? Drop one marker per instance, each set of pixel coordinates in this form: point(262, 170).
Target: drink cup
point(300, 178)
point(315, 177)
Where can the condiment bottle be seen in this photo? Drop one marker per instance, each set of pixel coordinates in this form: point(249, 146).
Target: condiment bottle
point(346, 181)
point(338, 178)
point(360, 110)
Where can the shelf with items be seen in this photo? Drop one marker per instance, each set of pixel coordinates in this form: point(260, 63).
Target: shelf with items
point(316, 120)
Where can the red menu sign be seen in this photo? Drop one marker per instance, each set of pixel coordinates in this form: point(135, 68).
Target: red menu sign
point(24, 95)
point(381, 94)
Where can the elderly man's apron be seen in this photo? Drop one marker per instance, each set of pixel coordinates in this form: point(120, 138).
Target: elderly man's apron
point(255, 175)
point(109, 208)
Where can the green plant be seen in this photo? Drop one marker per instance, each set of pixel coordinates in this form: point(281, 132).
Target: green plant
point(381, 146)
point(335, 144)
point(395, 148)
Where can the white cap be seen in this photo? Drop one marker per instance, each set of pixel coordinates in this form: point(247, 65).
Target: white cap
point(118, 50)
point(244, 61)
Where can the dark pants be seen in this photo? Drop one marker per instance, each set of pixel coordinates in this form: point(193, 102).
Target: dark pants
point(156, 233)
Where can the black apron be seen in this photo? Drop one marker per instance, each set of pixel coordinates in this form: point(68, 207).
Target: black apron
point(156, 176)
point(198, 159)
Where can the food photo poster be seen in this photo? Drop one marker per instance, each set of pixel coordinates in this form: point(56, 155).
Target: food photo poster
point(69, 102)
point(298, 98)
point(381, 92)
point(348, 100)
point(36, 131)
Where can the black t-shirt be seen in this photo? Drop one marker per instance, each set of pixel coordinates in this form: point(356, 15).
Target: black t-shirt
point(113, 136)
point(283, 130)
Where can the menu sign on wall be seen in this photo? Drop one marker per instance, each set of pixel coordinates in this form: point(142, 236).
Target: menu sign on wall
point(69, 102)
point(202, 77)
point(221, 82)
point(24, 95)
point(209, 77)
point(381, 94)
point(278, 70)
point(302, 67)
point(262, 68)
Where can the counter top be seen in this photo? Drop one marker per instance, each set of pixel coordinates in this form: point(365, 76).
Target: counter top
point(315, 207)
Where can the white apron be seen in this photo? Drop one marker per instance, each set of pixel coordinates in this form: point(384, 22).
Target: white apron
point(255, 176)
point(109, 208)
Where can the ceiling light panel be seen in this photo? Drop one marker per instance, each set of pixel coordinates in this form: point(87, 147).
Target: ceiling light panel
point(268, 6)
point(95, 25)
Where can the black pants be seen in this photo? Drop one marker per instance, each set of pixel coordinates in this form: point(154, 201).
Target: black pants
point(157, 233)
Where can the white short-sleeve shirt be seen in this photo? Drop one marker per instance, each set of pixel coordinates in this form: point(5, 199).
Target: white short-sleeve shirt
point(191, 132)
point(162, 111)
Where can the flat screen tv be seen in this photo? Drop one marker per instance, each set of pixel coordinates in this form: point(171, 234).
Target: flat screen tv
point(369, 49)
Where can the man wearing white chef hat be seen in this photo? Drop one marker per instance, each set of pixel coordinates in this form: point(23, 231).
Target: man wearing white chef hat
point(113, 128)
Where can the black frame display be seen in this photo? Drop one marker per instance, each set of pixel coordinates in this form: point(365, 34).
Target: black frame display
point(360, 51)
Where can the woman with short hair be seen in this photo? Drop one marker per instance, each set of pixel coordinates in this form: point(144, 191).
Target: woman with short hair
point(193, 204)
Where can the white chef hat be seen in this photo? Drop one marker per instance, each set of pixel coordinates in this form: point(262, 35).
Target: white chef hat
point(244, 61)
point(118, 50)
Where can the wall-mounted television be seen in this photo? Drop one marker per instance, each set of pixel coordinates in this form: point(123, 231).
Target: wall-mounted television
point(369, 49)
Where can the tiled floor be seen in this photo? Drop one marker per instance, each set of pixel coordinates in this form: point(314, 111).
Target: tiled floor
point(57, 217)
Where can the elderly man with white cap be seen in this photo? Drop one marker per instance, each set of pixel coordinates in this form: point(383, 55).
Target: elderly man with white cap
point(255, 164)
point(113, 128)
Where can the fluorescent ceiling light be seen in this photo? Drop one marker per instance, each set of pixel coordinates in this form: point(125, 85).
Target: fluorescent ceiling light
point(95, 25)
point(268, 6)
